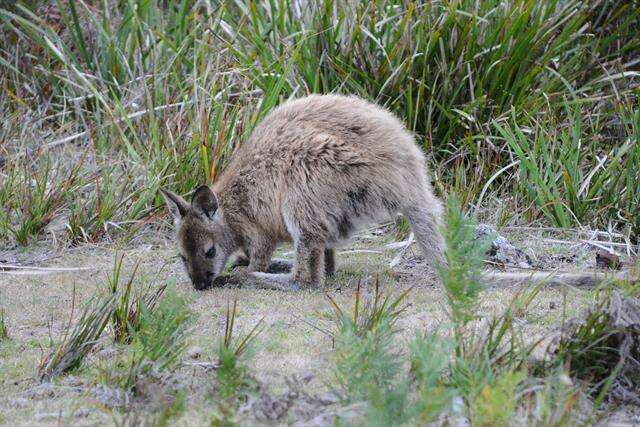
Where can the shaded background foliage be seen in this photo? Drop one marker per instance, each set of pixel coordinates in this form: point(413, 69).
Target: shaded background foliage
point(528, 106)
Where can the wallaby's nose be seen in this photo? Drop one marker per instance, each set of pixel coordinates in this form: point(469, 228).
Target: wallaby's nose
point(201, 285)
point(206, 283)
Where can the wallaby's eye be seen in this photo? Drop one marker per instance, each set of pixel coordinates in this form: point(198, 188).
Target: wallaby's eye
point(211, 252)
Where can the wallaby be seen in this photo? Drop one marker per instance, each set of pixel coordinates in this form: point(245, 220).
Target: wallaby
point(314, 171)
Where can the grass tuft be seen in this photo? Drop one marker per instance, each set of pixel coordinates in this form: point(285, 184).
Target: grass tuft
point(478, 368)
point(603, 347)
point(155, 346)
point(126, 318)
point(231, 373)
point(369, 313)
point(4, 330)
point(461, 278)
point(366, 364)
point(78, 341)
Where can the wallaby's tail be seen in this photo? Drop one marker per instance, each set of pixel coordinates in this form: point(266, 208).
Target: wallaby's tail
point(425, 217)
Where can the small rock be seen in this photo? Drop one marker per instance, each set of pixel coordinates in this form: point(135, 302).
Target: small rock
point(609, 260)
point(19, 402)
point(49, 416)
point(42, 391)
point(502, 251)
point(82, 413)
point(194, 352)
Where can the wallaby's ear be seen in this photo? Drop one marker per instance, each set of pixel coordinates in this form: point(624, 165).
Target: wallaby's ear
point(204, 201)
point(176, 204)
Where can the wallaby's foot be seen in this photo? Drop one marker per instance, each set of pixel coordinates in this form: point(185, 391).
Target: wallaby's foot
point(279, 265)
point(259, 280)
point(276, 265)
point(278, 282)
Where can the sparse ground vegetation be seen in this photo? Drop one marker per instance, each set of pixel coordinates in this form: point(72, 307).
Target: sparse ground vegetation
point(528, 111)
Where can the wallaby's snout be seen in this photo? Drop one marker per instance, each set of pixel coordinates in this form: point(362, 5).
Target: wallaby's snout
point(202, 236)
point(202, 281)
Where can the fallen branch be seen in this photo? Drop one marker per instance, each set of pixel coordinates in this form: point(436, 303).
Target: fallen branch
point(6, 268)
point(555, 278)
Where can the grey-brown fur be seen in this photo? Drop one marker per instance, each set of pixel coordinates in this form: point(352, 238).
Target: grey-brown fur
point(313, 171)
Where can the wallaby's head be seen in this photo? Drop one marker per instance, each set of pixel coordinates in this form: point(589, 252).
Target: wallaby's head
point(203, 237)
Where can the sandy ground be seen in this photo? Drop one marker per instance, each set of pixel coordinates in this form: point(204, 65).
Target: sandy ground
point(291, 348)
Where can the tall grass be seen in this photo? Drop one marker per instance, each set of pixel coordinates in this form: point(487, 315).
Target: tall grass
point(162, 94)
point(572, 175)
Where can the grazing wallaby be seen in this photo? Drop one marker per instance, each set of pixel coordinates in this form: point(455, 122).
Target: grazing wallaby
point(314, 171)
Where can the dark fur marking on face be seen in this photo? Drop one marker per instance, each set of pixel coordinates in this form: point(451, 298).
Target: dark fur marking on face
point(195, 239)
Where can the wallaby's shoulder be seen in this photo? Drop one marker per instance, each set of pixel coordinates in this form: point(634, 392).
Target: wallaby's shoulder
point(305, 121)
point(320, 111)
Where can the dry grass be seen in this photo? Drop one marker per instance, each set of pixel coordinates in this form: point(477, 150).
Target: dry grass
point(288, 346)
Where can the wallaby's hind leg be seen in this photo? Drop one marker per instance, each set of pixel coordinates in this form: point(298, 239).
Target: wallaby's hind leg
point(425, 217)
point(329, 261)
point(308, 270)
point(307, 273)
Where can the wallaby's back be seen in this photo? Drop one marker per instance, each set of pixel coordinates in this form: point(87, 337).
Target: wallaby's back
point(321, 166)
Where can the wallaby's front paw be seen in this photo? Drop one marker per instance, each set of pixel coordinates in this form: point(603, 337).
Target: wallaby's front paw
point(240, 261)
point(278, 265)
